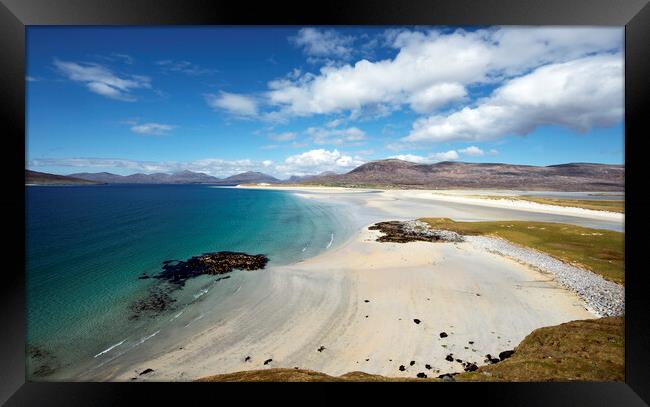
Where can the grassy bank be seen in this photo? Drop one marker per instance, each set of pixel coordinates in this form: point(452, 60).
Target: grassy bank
point(592, 350)
point(601, 251)
point(589, 350)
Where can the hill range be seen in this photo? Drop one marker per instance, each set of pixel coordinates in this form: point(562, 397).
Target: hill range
point(392, 173)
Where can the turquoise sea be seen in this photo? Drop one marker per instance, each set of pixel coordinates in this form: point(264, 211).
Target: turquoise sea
point(87, 245)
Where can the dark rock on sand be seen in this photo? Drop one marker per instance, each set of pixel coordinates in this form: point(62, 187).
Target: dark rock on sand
point(469, 366)
point(322, 348)
point(417, 321)
point(443, 334)
point(421, 375)
point(402, 368)
point(459, 360)
point(506, 354)
point(247, 358)
point(411, 231)
point(146, 371)
point(450, 357)
point(490, 359)
point(471, 342)
point(428, 367)
point(412, 362)
point(267, 361)
point(366, 300)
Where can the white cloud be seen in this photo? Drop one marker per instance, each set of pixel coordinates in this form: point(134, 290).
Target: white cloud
point(579, 94)
point(287, 136)
point(431, 69)
point(153, 129)
point(450, 155)
point(317, 161)
point(238, 105)
point(411, 158)
point(101, 80)
point(323, 43)
point(472, 151)
point(337, 137)
point(435, 96)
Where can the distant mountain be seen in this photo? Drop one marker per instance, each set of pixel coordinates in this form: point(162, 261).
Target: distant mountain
point(250, 177)
point(43, 178)
point(448, 175)
point(182, 177)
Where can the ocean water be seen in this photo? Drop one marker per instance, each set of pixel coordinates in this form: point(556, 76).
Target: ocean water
point(87, 245)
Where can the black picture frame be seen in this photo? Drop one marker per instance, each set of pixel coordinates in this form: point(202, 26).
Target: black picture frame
point(16, 14)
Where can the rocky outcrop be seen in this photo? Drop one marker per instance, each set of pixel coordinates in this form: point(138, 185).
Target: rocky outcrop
point(210, 263)
point(411, 231)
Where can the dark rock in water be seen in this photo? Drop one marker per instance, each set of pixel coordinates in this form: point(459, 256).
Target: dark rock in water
point(506, 354)
point(157, 300)
point(412, 362)
point(247, 358)
point(417, 321)
point(447, 377)
point(143, 277)
point(402, 368)
point(267, 361)
point(469, 366)
point(443, 334)
point(450, 357)
point(421, 375)
point(210, 263)
point(322, 348)
point(428, 367)
point(41, 362)
point(146, 371)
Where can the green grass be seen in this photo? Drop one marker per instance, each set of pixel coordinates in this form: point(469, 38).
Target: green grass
point(600, 251)
point(592, 350)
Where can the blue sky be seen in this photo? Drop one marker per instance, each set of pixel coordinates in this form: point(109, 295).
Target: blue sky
point(302, 100)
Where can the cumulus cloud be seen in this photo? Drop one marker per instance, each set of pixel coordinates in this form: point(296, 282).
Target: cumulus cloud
point(102, 81)
point(317, 161)
point(238, 105)
point(578, 94)
point(152, 129)
point(432, 68)
point(450, 155)
point(323, 43)
point(472, 151)
point(337, 137)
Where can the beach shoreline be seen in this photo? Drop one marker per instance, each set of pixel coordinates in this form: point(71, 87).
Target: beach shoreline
point(365, 305)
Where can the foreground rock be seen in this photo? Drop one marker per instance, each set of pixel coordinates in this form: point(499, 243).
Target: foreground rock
point(411, 231)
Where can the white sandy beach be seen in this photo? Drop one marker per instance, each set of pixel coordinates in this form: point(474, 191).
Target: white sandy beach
point(359, 301)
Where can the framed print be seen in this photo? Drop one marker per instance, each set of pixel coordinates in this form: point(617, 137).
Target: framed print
point(430, 194)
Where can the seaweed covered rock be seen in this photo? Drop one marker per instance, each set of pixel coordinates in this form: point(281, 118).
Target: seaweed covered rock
point(176, 271)
point(411, 231)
